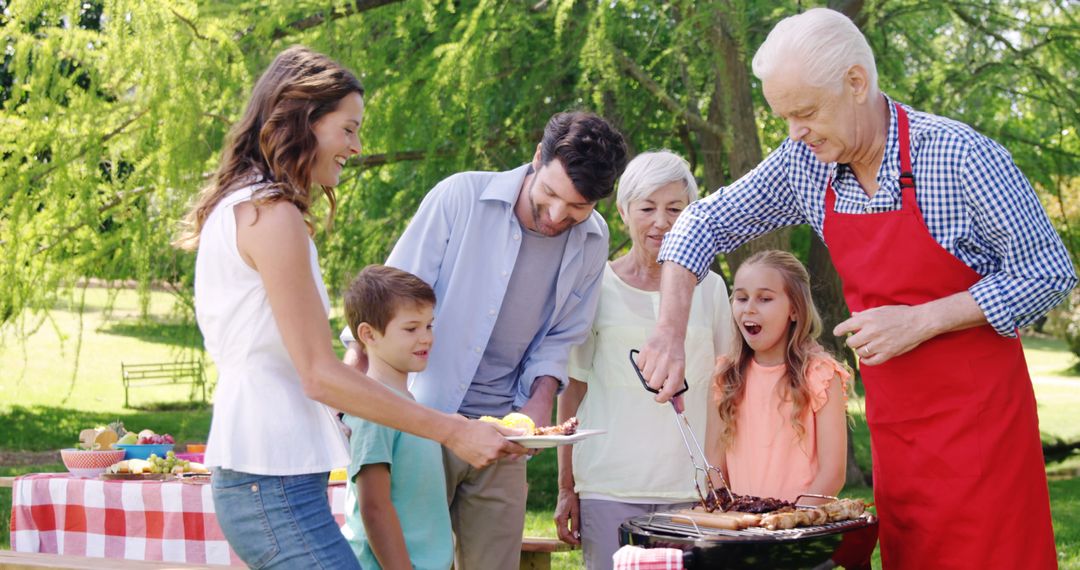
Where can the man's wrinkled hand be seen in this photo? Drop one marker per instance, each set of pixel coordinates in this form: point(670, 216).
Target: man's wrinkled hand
point(663, 364)
point(882, 333)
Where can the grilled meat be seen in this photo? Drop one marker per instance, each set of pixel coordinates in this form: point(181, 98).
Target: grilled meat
point(745, 503)
point(569, 427)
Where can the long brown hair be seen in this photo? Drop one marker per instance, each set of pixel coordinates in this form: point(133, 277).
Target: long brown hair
point(730, 377)
point(274, 142)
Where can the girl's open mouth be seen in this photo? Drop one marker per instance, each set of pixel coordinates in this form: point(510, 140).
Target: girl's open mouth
point(751, 328)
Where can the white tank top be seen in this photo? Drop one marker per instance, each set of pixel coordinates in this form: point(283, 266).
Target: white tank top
point(262, 423)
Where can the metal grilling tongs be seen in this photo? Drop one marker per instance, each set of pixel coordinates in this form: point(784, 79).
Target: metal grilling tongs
point(700, 469)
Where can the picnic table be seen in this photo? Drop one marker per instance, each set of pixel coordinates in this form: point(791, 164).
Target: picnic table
point(171, 521)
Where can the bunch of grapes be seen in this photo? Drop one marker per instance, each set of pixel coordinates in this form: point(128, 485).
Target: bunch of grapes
point(156, 439)
point(170, 464)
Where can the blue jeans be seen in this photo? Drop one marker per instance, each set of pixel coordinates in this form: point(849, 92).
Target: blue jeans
point(280, 521)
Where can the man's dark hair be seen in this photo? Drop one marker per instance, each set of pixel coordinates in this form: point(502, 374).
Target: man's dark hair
point(378, 292)
point(592, 152)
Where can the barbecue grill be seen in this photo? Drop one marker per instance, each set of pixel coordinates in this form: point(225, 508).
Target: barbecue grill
point(849, 544)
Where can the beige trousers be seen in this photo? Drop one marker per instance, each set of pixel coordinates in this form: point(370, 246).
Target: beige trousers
point(487, 512)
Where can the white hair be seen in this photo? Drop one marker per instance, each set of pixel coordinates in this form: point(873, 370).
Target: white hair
point(650, 171)
point(823, 43)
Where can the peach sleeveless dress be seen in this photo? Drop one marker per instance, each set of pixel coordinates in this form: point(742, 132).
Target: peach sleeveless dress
point(767, 458)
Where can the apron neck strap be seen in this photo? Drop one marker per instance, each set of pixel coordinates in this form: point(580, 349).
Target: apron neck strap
point(907, 179)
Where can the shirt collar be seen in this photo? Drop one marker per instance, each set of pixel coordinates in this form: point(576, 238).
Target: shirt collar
point(889, 171)
point(505, 187)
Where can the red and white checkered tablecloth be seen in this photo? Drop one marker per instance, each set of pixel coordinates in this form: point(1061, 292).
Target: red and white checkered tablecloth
point(168, 521)
point(637, 558)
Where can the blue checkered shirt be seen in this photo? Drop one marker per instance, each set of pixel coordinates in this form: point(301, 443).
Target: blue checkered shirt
point(975, 201)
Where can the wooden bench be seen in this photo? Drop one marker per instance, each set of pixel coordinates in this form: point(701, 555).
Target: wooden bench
point(536, 552)
point(10, 560)
point(161, 373)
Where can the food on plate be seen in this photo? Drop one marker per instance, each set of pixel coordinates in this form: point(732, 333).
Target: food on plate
point(155, 464)
point(514, 420)
point(519, 421)
point(133, 466)
point(130, 438)
point(569, 427)
point(523, 422)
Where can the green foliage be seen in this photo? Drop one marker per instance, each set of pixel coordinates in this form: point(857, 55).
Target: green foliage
point(115, 111)
point(112, 116)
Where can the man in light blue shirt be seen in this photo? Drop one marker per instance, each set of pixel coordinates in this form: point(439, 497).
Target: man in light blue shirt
point(515, 259)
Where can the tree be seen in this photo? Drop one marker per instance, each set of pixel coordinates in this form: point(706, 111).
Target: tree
point(114, 111)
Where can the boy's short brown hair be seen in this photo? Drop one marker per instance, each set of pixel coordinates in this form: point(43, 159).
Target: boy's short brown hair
point(378, 291)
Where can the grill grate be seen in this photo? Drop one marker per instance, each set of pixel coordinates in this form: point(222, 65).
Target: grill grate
point(670, 524)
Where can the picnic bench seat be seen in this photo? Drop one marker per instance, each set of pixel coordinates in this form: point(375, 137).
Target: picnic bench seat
point(161, 373)
point(536, 552)
point(11, 560)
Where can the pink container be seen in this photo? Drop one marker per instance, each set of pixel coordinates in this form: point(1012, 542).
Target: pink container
point(196, 457)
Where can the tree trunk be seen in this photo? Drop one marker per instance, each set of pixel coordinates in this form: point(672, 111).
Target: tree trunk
point(733, 104)
point(829, 299)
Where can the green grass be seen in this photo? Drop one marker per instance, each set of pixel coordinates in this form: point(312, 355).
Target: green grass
point(1065, 507)
point(1050, 357)
point(61, 374)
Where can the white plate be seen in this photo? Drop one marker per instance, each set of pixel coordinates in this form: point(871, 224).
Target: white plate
point(542, 441)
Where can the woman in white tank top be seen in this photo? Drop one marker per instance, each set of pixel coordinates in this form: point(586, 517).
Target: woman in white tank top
point(262, 307)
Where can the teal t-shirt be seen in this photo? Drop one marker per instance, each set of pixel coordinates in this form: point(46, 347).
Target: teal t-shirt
point(417, 490)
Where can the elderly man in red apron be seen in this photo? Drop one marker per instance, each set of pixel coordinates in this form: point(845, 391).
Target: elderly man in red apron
point(944, 250)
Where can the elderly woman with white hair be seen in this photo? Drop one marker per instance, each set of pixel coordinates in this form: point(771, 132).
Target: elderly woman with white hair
point(640, 465)
point(944, 251)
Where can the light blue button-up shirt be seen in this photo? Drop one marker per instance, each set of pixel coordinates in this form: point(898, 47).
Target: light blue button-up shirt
point(464, 241)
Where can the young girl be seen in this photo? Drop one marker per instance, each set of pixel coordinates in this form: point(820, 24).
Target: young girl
point(779, 429)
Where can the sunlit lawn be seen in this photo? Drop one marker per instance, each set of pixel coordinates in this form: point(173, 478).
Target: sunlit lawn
point(55, 381)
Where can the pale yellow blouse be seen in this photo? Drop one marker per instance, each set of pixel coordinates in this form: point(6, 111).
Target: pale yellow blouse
point(642, 459)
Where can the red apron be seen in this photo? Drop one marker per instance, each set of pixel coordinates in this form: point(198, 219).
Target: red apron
point(959, 477)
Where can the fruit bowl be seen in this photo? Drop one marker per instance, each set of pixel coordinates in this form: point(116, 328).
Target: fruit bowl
point(87, 463)
point(144, 450)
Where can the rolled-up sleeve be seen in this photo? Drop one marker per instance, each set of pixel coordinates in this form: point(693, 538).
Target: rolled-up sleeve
point(1035, 272)
point(754, 205)
point(571, 328)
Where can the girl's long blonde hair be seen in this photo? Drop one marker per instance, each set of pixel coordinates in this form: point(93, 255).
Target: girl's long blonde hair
point(274, 141)
point(730, 380)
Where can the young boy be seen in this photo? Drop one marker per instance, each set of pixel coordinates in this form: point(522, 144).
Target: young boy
point(396, 514)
